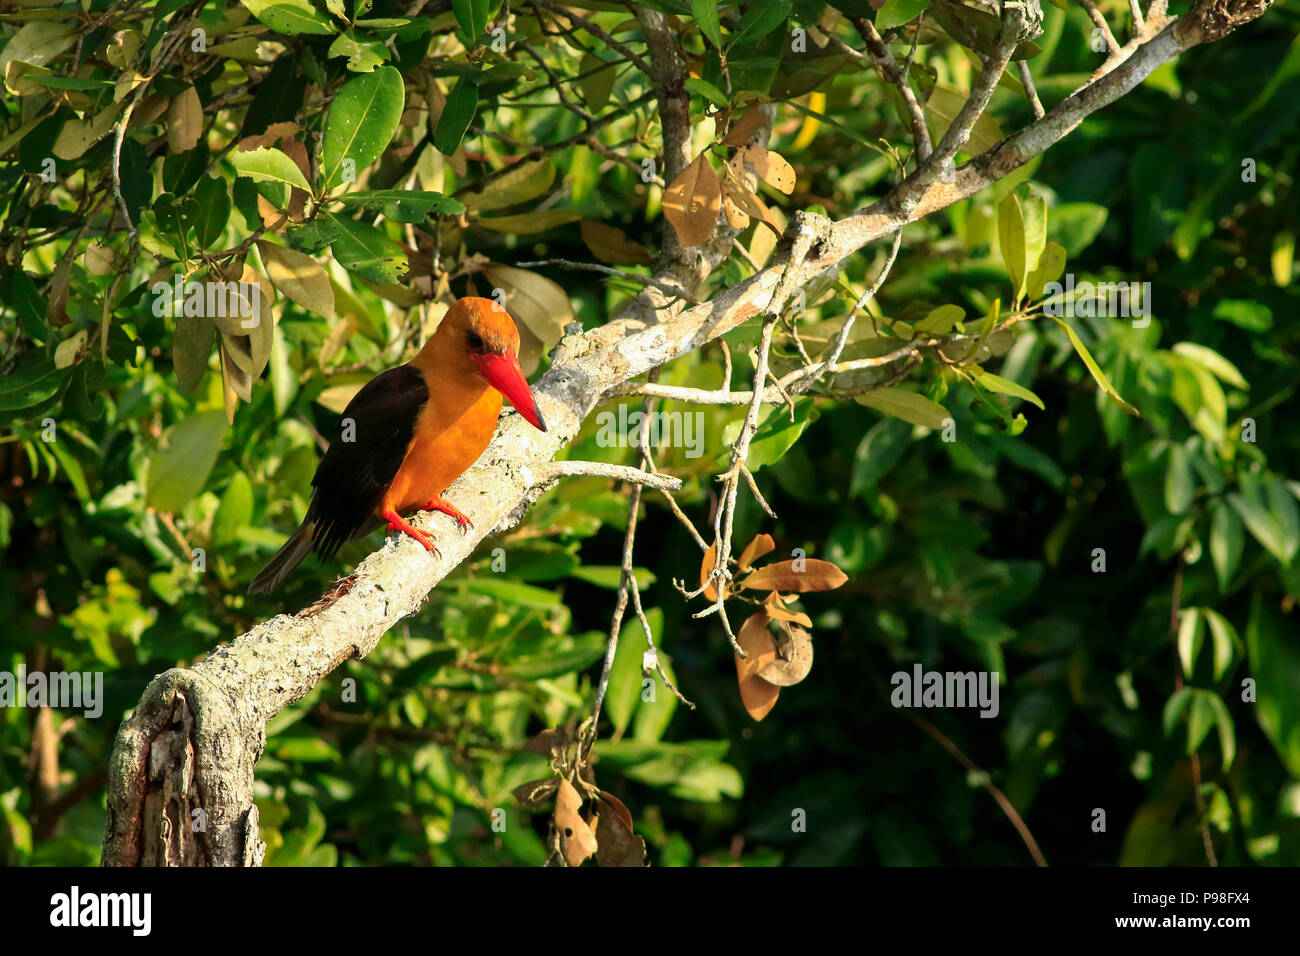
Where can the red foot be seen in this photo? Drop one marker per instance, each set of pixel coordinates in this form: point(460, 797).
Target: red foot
point(438, 504)
point(397, 523)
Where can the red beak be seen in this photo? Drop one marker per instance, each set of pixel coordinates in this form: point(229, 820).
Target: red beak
point(504, 374)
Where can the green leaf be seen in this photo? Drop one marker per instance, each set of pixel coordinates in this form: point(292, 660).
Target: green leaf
point(1225, 640)
point(1266, 526)
point(654, 715)
point(1051, 264)
point(1215, 363)
point(513, 592)
point(596, 80)
point(996, 383)
point(367, 250)
point(1191, 633)
point(611, 576)
point(909, 406)
point(705, 13)
point(471, 18)
point(761, 18)
point(179, 468)
point(363, 54)
point(585, 651)
point(1011, 239)
point(625, 678)
point(1227, 539)
point(1274, 656)
point(290, 17)
point(462, 104)
point(1206, 710)
point(361, 122)
point(33, 380)
point(1200, 396)
point(775, 435)
point(235, 512)
point(1098, 375)
point(940, 321)
point(897, 12)
point(1075, 225)
point(707, 90)
point(1180, 482)
point(211, 210)
point(880, 449)
point(398, 203)
point(267, 164)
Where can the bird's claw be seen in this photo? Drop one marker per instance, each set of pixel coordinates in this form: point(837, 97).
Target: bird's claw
point(462, 520)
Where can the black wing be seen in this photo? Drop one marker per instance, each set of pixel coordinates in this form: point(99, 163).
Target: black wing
point(374, 435)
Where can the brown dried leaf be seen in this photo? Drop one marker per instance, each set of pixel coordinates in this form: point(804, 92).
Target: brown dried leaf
point(744, 128)
point(692, 202)
point(794, 658)
point(758, 696)
point(549, 743)
point(760, 545)
point(754, 207)
point(771, 167)
point(620, 809)
point(776, 609)
point(737, 218)
point(706, 568)
point(617, 844)
point(576, 837)
point(782, 576)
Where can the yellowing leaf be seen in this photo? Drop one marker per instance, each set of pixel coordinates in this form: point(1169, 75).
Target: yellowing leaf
point(77, 136)
point(541, 306)
point(944, 104)
point(67, 351)
point(184, 121)
point(37, 43)
point(298, 276)
point(610, 244)
point(521, 183)
point(529, 222)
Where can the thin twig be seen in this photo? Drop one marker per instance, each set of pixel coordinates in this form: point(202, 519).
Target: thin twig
point(599, 469)
point(1027, 81)
point(670, 288)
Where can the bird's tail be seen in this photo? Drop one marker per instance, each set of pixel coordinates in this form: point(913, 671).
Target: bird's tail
point(286, 559)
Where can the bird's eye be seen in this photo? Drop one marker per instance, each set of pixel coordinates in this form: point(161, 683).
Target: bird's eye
point(475, 341)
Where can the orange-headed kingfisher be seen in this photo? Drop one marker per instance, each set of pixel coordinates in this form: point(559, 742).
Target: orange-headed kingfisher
point(409, 433)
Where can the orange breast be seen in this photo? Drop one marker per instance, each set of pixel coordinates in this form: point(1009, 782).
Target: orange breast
point(454, 428)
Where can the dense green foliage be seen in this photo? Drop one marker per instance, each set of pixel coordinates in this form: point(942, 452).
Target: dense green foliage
point(976, 553)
